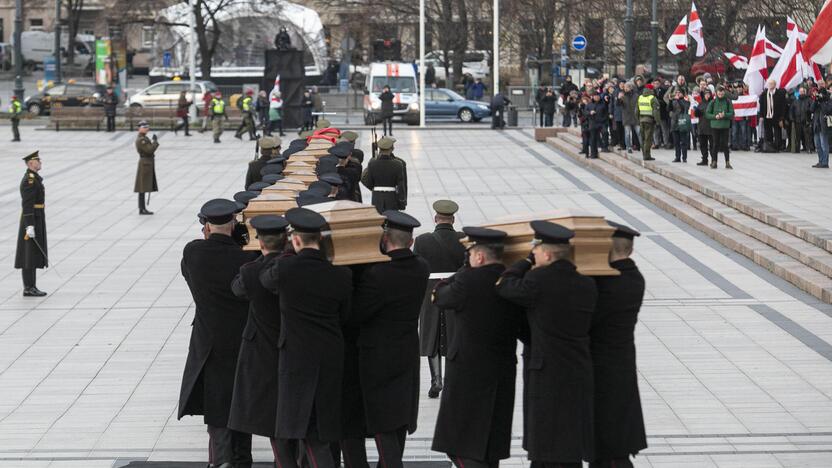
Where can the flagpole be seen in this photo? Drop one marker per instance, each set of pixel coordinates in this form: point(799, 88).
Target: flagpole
point(654, 39)
point(629, 63)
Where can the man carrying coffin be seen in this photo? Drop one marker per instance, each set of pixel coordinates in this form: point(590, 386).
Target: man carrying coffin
point(474, 422)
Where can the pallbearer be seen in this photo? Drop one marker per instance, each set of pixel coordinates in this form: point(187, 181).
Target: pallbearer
point(386, 311)
point(559, 303)
point(269, 148)
point(445, 255)
point(31, 235)
point(474, 422)
point(619, 423)
point(209, 266)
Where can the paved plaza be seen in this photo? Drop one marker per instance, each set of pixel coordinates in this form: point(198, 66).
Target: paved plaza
point(735, 364)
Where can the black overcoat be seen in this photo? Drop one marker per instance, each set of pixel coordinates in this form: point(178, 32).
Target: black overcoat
point(559, 303)
point(387, 303)
point(314, 300)
point(254, 167)
point(385, 171)
point(619, 423)
point(209, 266)
point(32, 253)
point(254, 404)
point(445, 254)
point(477, 403)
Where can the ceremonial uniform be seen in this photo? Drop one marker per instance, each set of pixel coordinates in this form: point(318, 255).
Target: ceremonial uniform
point(145, 172)
point(15, 109)
point(474, 422)
point(355, 163)
point(267, 145)
point(558, 416)
point(209, 267)
point(385, 176)
point(32, 251)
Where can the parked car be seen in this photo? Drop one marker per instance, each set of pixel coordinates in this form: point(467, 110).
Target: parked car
point(65, 95)
point(443, 102)
point(165, 94)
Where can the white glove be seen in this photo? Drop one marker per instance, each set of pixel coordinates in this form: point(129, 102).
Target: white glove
point(30, 231)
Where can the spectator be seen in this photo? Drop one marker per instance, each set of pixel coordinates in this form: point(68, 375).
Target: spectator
point(720, 112)
point(182, 107)
point(772, 109)
point(583, 120)
point(317, 105)
point(596, 114)
point(801, 117)
point(307, 105)
point(680, 84)
point(478, 89)
point(261, 106)
point(548, 108)
point(704, 127)
point(661, 131)
point(821, 109)
point(680, 124)
point(570, 109)
point(617, 120)
point(739, 129)
point(430, 75)
point(206, 110)
point(386, 99)
point(110, 105)
point(275, 113)
point(538, 99)
point(629, 117)
point(567, 87)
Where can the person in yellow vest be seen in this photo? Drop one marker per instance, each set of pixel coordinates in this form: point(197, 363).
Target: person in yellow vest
point(648, 115)
point(217, 115)
point(15, 110)
point(247, 108)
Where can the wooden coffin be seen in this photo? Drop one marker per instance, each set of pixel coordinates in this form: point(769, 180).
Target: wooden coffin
point(591, 245)
point(265, 203)
point(285, 187)
point(315, 152)
point(307, 176)
point(293, 166)
point(307, 158)
point(354, 232)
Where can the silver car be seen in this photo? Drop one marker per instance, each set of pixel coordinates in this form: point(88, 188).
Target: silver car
point(165, 94)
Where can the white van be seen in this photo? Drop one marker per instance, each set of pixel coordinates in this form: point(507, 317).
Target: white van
point(37, 45)
point(401, 78)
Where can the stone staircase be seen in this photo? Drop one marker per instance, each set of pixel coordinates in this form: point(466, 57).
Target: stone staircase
point(793, 249)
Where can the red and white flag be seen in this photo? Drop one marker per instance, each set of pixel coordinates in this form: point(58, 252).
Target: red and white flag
point(818, 47)
point(745, 106)
point(772, 50)
point(757, 72)
point(694, 103)
point(790, 69)
point(274, 95)
point(792, 28)
point(678, 41)
point(737, 61)
point(695, 31)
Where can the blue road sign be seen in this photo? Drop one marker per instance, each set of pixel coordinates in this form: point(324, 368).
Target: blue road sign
point(579, 42)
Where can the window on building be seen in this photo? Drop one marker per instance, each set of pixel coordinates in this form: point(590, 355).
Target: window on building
point(147, 36)
point(36, 24)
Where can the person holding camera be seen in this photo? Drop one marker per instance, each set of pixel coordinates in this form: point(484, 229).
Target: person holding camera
point(146, 172)
point(821, 109)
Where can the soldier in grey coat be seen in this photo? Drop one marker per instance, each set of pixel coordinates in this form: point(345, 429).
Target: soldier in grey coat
point(146, 173)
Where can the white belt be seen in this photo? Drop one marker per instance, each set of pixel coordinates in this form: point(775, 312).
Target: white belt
point(441, 275)
point(384, 189)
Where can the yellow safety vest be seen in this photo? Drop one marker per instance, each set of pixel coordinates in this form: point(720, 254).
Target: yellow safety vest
point(645, 105)
point(15, 107)
point(246, 104)
point(217, 106)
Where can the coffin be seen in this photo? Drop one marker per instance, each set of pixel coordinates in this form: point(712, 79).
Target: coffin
point(592, 242)
point(315, 152)
point(354, 234)
point(294, 166)
point(265, 203)
point(285, 187)
point(307, 158)
point(307, 176)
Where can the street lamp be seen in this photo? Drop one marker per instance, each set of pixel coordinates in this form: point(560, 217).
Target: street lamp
point(58, 77)
point(421, 63)
point(192, 55)
point(496, 46)
point(654, 41)
point(18, 53)
point(629, 63)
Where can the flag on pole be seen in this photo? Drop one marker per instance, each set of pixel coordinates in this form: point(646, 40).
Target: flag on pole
point(745, 106)
point(737, 61)
point(791, 67)
point(274, 96)
point(792, 28)
point(772, 49)
point(757, 72)
point(678, 41)
point(695, 31)
point(818, 47)
point(694, 103)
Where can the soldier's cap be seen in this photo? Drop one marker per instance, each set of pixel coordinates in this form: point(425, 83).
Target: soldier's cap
point(323, 123)
point(546, 232)
point(269, 224)
point(305, 134)
point(358, 154)
point(326, 166)
point(269, 142)
point(623, 231)
point(320, 188)
point(305, 220)
point(272, 178)
point(201, 218)
point(218, 211)
point(386, 143)
point(144, 124)
point(332, 179)
point(483, 236)
point(349, 135)
point(32, 157)
point(290, 151)
point(245, 196)
point(306, 198)
point(445, 207)
point(271, 169)
point(240, 207)
point(400, 221)
point(298, 142)
point(276, 160)
point(258, 186)
point(341, 150)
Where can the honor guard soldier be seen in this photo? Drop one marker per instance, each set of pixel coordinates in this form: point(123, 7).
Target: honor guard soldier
point(247, 124)
point(473, 426)
point(386, 310)
point(339, 190)
point(314, 301)
point(445, 255)
point(385, 176)
point(349, 171)
point(31, 235)
point(269, 148)
point(354, 163)
point(146, 172)
point(254, 404)
point(619, 423)
point(559, 303)
point(15, 111)
point(209, 267)
point(217, 115)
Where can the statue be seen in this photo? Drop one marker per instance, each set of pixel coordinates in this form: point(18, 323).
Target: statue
point(282, 41)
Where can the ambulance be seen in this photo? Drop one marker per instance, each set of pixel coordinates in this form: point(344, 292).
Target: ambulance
point(401, 78)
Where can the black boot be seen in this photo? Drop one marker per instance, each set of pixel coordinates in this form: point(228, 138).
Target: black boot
point(435, 363)
point(33, 292)
point(142, 209)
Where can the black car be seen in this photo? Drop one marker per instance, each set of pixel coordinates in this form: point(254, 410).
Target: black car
point(69, 95)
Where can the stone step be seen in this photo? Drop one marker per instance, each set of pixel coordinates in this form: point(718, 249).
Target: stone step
point(783, 265)
point(810, 232)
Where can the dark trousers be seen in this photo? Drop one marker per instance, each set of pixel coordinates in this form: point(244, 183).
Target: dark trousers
point(461, 462)
point(540, 111)
point(228, 446)
point(184, 124)
point(773, 133)
point(681, 138)
point(316, 452)
point(594, 141)
point(612, 463)
point(29, 277)
point(390, 447)
point(276, 125)
point(497, 117)
point(142, 202)
point(387, 125)
point(804, 136)
point(720, 143)
point(549, 119)
point(111, 123)
point(705, 145)
point(537, 464)
point(247, 125)
point(355, 453)
point(16, 129)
